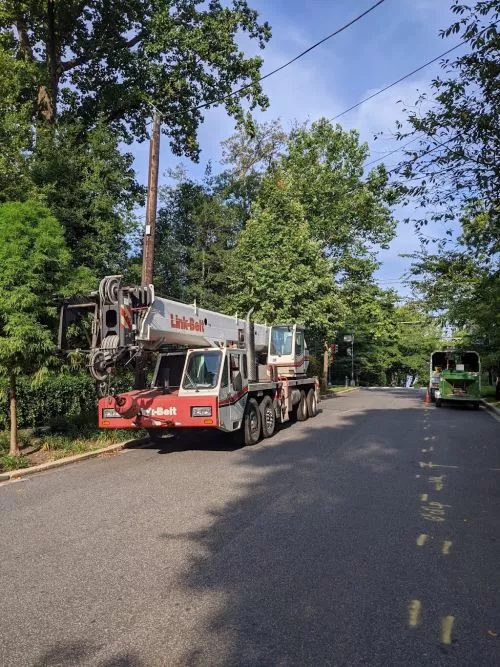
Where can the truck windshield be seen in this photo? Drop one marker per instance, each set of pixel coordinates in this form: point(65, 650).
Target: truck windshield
point(202, 370)
point(281, 341)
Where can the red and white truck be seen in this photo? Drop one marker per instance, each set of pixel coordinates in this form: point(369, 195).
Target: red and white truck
point(212, 370)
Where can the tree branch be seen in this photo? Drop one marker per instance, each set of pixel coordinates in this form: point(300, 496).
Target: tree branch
point(24, 41)
point(83, 60)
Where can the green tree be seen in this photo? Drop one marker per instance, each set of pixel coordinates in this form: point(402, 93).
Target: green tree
point(90, 187)
point(464, 290)
point(347, 214)
point(196, 228)
point(278, 269)
point(454, 170)
point(33, 264)
point(118, 59)
point(454, 177)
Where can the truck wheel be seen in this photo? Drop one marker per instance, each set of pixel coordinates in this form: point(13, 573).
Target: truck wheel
point(312, 403)
point(438, 402)
point(251, 423)
point(267, 416)
point(302, 407)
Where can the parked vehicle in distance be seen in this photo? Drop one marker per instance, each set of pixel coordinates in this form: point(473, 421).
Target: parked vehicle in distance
point(455, 376)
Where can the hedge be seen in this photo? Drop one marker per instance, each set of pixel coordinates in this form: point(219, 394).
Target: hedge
point(55, 398)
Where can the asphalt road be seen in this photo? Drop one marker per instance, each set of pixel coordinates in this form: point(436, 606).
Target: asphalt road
point(369, 535)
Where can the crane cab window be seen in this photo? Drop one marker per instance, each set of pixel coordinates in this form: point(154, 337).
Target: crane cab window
point(235, 371)
point(169, 370)
point(281, 341)
point(224, 381)
point(299, 343)
point(202, 370)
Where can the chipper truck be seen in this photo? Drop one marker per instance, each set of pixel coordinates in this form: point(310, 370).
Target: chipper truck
point(212, 371)
point(455, 376)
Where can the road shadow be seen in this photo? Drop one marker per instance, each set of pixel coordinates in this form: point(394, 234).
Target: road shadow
point(316, 562)
point(65, 654)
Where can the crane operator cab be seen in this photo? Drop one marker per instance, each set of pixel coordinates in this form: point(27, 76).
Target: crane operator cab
point(288, 352)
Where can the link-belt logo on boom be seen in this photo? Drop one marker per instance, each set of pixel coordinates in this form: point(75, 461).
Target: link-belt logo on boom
point(186, 323)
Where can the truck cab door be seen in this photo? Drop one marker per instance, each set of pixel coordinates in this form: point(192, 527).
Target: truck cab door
point(238, 387)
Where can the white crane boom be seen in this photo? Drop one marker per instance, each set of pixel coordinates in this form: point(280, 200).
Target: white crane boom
point(169, 322)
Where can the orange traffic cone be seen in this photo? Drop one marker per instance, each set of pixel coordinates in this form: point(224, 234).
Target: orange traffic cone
point(427, 398)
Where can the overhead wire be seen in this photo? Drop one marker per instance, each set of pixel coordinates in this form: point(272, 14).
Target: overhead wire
point(297, 57)
point(288, 63)
point(402, 78)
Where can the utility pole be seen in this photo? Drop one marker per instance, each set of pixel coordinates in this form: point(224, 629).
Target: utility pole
point(148, 251)
point(151, 203)
point(352, 362)
point(325, 367)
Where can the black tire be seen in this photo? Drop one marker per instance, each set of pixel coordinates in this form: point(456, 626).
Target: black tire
point(312, 403)
point(438, 402)
point(267, 416)
point(302, 407)
point(251, 423)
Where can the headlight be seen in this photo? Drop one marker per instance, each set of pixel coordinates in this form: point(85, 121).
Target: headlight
point(201, 412)
point(110, 413)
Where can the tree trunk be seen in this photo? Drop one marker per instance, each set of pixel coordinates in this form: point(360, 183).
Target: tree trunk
point(14, 447)
point(47, 94)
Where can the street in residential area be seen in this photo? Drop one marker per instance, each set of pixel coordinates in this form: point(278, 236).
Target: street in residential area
point(369, 535)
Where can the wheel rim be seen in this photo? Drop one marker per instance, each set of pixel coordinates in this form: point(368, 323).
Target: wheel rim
point(254, 421)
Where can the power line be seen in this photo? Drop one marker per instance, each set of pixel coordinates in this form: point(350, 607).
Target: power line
point(396, 150)
point(300, 55)
point(394, 83)
point(282, 67)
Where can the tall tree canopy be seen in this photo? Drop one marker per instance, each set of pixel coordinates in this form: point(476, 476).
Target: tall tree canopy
point(117, 59)
point(278, 269)
point(454, 177)
point(455, 173)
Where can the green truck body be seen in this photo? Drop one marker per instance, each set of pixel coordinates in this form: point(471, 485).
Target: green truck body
point(455, 376)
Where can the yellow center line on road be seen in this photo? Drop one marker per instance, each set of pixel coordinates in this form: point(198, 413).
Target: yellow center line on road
point(414, 609)
point(446, 629)
point(446, 547)
point(422, 539)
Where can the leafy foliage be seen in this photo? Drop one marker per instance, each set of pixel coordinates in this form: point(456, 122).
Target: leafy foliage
point(90, 188)
point(455, 169)
point(196, 228)
point(33, 263)
point(278, 269)
point(56, 397)
point(464, 290)
point(455, 178)
point(117, 59)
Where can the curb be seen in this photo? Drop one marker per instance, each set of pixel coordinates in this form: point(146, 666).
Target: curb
point(342, 391)
point(490, 407)
point(23, 472)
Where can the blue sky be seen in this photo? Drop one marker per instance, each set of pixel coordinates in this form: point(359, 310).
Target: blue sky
point(394, 39)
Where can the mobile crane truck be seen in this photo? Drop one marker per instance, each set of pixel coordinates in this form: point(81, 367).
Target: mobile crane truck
point(212, 370)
